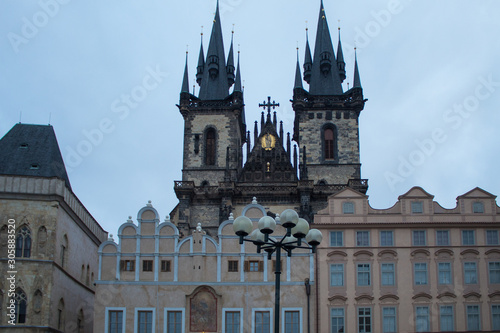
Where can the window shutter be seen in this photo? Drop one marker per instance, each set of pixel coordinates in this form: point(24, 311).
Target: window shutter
point(122, 265)
point(261, 266)
point(247, 266)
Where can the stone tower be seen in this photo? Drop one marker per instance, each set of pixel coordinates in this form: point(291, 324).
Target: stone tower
point(217, 182)
point(214, 131)
point(326, 118)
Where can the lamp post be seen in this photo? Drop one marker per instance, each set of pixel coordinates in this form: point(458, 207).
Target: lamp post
point(296, 230)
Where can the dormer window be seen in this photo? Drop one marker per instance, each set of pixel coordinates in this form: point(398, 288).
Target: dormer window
point(23, 146)
point(417, 207)
point(478, 207)
point(34, 166)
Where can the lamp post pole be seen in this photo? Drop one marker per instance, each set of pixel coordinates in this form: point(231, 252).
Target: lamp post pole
point(296, 229)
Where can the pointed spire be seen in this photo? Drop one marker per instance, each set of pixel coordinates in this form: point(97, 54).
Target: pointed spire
point(340, 61)
point(307, 61)
point(255, 132)
point(230, 63)
point(201, 62)
point(298, 78)
point(215, 86)
point(185, 80)
point(237, 83)
point(248, 143)
point(325, 78)
point(357, 80)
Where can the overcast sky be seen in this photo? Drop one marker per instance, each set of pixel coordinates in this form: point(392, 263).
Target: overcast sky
point(429, 69)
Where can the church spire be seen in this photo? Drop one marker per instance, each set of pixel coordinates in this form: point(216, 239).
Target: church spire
point(214, 85)
point(185, 80)
point(357, 80)
point(201, 63)
point(298, 78)
point(307, 60)
point(325, 78)
point(237, 83)
point(340, 61)
point(230, 63)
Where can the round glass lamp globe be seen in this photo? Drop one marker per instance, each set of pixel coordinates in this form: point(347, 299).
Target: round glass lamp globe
point(289, 218)
point(242, 226)
point(267, 225)
point(301, 228)
point(314, 237)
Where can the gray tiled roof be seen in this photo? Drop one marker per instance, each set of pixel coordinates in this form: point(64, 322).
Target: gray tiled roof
point(32, 150)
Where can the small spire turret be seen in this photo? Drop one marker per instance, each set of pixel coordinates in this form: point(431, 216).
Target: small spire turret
point(237, 83)
point(230, 63)
point(307, 61)
point(357, 81)
point(201, 62)
point(185, 80)
point(298, 78)
point(340, 61)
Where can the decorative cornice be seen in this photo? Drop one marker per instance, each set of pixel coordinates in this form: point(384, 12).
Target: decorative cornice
point(438, 252)
point(360, 252)
point(386, 296)
point(364, 296)
point(492, 251)
point(387, 251)
point(467, 251)
point(426, 295)
point(446, 294)
point(337, 252)
point(337, 297)
point(472, 294)
point(417, 251)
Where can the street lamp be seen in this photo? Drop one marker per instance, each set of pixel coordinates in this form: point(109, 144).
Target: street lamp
point(296, 230)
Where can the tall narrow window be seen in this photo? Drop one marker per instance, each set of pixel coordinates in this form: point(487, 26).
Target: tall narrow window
point(21, 304)
point(468, 237)
point(422, 320)
point(174, 324)
point(145, 322)
point(495, 317)
point(338, 320)
point(292, 322)
point(446, 322)
point(387, 238)
point(80, 321)
point(60, 315)
point(23, 242)
point(329, 139)
point(363, 274)
point(210, 147)
point(444, 273)
point(389, 319)
point(420, 273)
point(494, 270)
point(388, 272)
point(470, 273)
point(115, 321)
point(336, 238)
point(473, 322)
point(491, 237)
point(262, 322)
point(232, 322)
point(365, 320)
point(443, 237)
point(336, 275)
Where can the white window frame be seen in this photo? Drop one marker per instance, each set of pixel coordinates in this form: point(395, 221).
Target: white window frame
point(475, 272)
point(106, 318)
point(421, 270)
point(301, 321)
point(382, 273)
point(165, 316)
point(136, 318)
point(364, 316)
point(224, 310)
point(271, 318)
point(364, 272)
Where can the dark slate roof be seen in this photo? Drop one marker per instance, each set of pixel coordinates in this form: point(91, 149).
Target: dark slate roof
point(298, 77)
point(321, 84)
point(215, 88)
point(185, 80)
point(357, 80)
point(32, 150)
point(237, 83)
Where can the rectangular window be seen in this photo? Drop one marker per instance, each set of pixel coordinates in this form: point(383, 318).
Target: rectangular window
point(420, 273)
point(446, 321)
point(388, 274)
point(363, 274)
point(292, 322)
point(232, 319)
point(417, 207)
point(468, 237)
point(422, 321)
point(362, 238)
point(348, 207)
point(255, 266)
point(165, 266)
point(442, 237)
point(444, 272)
point(387, 238)
point(492, 237)
point(337, 275)
point(478, 207)
point(115, 321)
point(174, 321)
point(232, 265)
point(145, 322)
point(365, 320)
point(147, 265)
point(338, 320)
point(262, 322)
point(127, 265)
point(336, 238)
point(495, 317)
point(494, 269)
point(470, 272)
point(473, 321)
point(389, 320)
point(419, 238)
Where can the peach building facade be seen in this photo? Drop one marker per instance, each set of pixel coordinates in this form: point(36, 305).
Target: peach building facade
point(414, 267)
point(153, 280)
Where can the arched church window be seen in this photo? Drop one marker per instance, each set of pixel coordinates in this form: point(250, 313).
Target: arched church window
point(329, 143)
point(60, 315)
point(210, 147)
point(21, 306)
point(23, 242)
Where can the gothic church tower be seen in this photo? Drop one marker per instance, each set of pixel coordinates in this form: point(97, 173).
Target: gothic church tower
point(326, 118)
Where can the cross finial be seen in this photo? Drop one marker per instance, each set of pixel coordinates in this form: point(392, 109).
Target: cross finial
point(269, 104)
